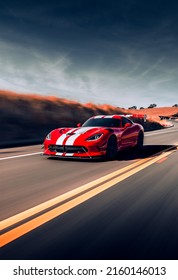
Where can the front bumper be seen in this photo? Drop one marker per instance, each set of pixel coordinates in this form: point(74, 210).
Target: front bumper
point(63, 151)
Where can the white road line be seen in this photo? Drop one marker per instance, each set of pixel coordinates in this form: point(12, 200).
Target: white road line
point(68, 195)
point(146, 135)
point(161, 132)
point(25, 155)
point(34, 223)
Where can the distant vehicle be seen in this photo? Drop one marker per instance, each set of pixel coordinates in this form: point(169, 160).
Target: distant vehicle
point(99, 136)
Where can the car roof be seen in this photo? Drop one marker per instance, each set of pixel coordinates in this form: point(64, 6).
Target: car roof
point(111, 116)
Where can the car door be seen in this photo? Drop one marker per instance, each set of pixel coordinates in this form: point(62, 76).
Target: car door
point(128, 133)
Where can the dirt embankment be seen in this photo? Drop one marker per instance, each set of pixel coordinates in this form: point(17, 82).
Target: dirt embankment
point(157, 116)
point(27, 119)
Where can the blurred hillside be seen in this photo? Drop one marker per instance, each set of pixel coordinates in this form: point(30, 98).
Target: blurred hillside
point(26, 119)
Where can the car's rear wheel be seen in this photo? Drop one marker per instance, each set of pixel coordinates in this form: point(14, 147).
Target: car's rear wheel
point(111, 151)
point(140, 139)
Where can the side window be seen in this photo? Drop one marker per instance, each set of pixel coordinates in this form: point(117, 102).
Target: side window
point(114, 122)
point(117, 122)
point(124, 121)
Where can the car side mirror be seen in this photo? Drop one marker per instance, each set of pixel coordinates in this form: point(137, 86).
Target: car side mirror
point(79, 125)
point(127, 125)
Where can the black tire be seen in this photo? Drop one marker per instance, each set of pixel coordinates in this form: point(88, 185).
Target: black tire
point(111, 151)
point(140, 140)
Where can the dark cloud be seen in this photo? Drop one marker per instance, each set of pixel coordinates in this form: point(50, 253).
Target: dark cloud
point(103, 43)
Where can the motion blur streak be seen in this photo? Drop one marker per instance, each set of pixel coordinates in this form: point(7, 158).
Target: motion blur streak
point(43, 206)
point(44, 218)
point(162, 160)
point(25, 155)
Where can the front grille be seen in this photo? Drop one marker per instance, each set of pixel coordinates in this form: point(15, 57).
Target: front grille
point(56, 148)
point(67, 149)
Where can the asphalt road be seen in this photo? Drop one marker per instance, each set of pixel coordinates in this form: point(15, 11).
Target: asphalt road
point(133, 217)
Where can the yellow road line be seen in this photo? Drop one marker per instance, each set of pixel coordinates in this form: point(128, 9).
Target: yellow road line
point(52, 202)
point(44, 218)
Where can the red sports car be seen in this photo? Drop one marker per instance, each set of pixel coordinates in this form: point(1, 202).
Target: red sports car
point(99, 136)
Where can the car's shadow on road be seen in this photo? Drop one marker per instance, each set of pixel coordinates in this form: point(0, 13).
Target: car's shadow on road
point(147, 151)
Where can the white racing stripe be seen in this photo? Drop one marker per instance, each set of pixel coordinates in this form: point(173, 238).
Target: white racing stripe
point(71, 139)
point(84, 129)
point(59, 154)
point(98, 117)
point(19, 156)
point(78, 132)
point(109, 117)
point(64, 154)
point(61, 139)
point(63, 136)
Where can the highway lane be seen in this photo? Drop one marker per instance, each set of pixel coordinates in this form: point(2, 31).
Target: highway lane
point(35, 179)
point(28, 181)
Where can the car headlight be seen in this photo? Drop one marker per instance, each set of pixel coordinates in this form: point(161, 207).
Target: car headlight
point(48, 137)
point(95, 137)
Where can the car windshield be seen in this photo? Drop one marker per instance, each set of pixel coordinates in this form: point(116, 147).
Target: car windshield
point(111, 122)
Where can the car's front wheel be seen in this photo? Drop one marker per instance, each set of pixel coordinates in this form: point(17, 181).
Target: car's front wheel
point(111, 151)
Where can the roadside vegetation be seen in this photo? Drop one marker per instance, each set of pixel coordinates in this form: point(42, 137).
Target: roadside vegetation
point(26, 118)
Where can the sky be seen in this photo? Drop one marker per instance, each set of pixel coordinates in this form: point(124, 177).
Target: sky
point(118, 52)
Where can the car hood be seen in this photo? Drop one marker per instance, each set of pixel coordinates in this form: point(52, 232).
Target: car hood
point(71, 136)
point(84, 130)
